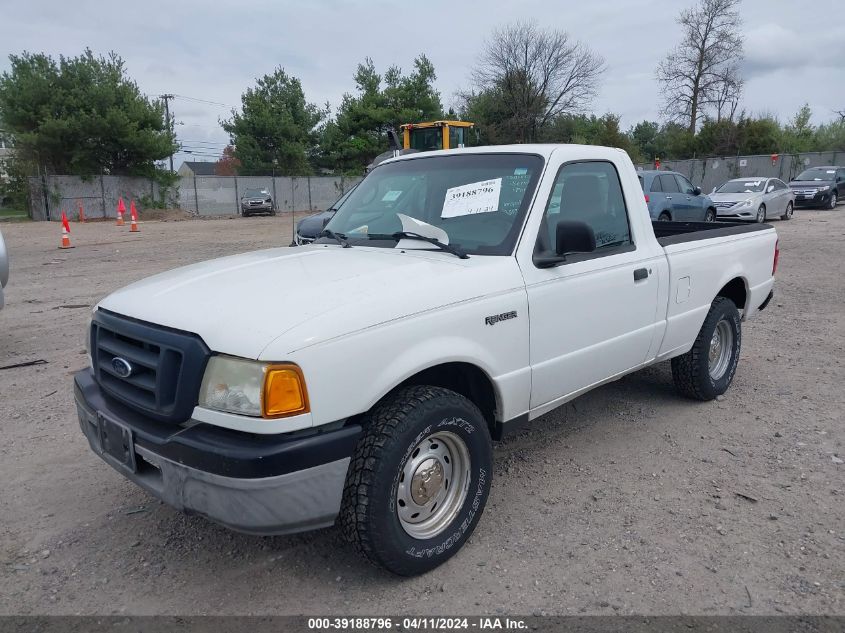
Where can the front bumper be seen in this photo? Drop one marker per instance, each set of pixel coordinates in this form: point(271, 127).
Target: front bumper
point(276, 484)
point(817, 200)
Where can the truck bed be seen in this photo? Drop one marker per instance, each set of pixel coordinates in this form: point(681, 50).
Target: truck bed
point(668, 233)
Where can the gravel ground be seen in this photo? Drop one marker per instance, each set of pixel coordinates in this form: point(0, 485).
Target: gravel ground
point(628, 500)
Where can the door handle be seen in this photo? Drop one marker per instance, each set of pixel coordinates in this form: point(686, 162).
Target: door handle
point(668, 197)
point(640, 274)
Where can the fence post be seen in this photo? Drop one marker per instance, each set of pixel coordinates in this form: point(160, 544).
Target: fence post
point(275, 198)
point(310, 206)
point(103, 196)
point(237, 198)
point(292, 209)
point(196, 196)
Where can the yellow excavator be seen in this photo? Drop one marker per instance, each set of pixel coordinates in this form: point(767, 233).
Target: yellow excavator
point(425, 137)
point(432, 135)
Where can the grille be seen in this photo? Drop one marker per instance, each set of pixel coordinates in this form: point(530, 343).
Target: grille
point(167, 365)
point(805, 192)
point(724, 205)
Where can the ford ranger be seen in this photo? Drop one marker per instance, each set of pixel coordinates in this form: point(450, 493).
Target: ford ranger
point(360, 379)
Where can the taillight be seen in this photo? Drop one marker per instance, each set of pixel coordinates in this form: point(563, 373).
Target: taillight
point(646, 198)
point(777, 255)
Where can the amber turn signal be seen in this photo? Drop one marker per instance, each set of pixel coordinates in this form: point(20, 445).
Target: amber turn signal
point(284, 392)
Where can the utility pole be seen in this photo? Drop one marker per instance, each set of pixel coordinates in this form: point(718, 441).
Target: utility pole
point(167, 99)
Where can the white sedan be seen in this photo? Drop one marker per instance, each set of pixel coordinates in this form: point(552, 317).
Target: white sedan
point(755, 199)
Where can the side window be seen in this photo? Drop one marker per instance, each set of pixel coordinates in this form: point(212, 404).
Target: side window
point(840, 175)
point(591, 193)
point(655, 185)
point(670, 185)
point(684, 184)
point(779, 185)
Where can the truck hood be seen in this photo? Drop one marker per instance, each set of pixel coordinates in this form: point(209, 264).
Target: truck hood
point(241, 304)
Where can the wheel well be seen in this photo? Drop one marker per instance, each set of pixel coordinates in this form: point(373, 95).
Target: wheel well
point(665, 212)
point(735, 291)
point(465, 379)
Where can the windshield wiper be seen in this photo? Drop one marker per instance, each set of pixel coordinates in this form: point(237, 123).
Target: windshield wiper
point(340, 238)
point(407, 235)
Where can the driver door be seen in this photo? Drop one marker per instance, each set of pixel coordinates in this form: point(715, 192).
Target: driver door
point(593, 316)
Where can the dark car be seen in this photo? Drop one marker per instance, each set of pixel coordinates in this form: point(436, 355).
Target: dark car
point(308, 228)
point(257, 201)
point(671, 197)
point(819, 187)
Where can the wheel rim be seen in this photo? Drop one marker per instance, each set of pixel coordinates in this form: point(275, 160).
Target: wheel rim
point(789, 209)
point(832, 200)
point(663, 218)
point(761, 214)
point(433, 485)
point(711, 216)
point(721, 348)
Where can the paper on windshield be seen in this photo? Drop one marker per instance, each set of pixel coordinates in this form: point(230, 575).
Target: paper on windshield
point(413, 225)
point(476, 197)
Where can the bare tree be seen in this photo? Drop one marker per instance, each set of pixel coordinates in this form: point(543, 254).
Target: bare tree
point(536, 74)
point(727, 93)
point(703, 71)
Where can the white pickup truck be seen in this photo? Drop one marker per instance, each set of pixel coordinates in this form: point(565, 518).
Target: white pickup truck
point(361, 379)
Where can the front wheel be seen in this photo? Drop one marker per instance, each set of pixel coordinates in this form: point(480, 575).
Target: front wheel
point(833, 200)
point(418, 481)
point(761, 214)
point(707, 370)
point(788, 213)
point(710, 216)
point(664, 217)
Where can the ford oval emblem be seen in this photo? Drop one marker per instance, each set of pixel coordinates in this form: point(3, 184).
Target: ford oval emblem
point(121, 367)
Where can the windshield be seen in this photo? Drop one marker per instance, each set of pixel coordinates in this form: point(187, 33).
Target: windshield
point(256, 193)
point(817, 173)
point(480, 200)
point(742, 186)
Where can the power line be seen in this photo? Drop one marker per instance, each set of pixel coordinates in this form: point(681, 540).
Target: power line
point(215, 103)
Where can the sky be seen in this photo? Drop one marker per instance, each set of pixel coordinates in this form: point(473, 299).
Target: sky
point(209, 52)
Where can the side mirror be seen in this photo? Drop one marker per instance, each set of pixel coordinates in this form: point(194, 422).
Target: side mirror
point(696, 191)
point(714, 190)
point(574, 237)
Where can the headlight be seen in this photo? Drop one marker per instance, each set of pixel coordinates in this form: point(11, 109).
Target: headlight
point(251, 388)
point(747, 203)
point(824, 188)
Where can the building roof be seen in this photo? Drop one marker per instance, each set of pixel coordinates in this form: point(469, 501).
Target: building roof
point(201, 168)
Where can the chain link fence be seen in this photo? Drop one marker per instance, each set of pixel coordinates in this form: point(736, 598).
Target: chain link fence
point(199, 195)
point(709, 173)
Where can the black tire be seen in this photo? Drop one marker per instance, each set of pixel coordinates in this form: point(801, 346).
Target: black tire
point(664, 217)
point(761, 214)
point(272, 212)
point(833, 200)
point(710, 215)
point(244, 214)
point(691, 372)
point(790, 208)
point(395, 429)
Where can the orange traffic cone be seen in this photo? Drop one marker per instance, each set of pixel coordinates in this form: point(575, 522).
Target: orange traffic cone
point(133, 214)
point(81, 214)
point(121, 209)
point(65, 232)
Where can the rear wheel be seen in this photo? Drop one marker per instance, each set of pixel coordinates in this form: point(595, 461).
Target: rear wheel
point(788, 213)
point(418, 481)
point(710, 216)
point(707, 370)
point(664, 217)
point(761, 214)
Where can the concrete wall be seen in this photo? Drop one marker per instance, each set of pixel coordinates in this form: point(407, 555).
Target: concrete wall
point(708, 173)
point(200, 195)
